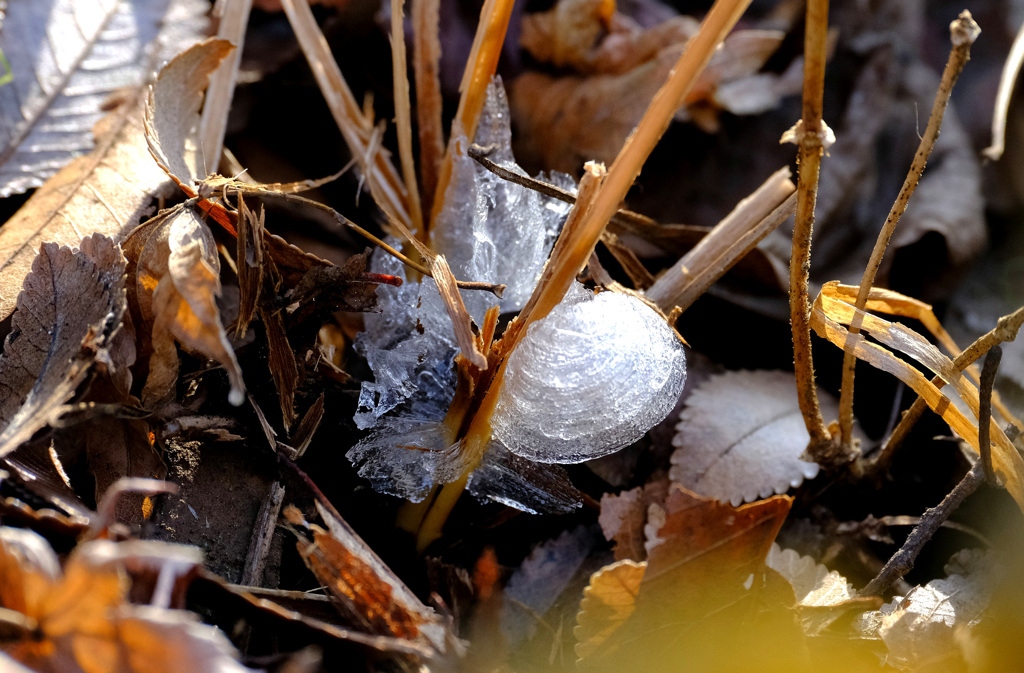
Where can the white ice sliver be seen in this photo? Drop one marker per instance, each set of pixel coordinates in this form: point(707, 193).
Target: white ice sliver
point(589, 379)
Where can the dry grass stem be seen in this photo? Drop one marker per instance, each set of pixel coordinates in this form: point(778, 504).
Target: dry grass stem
point(426, 57)
point(1007, 82)
point(233, 20)
point(1005, 330)
point(811, 148)
point(356, 126)
point(403, 116)
point(751, 220)
point(480, 68)
point(963, 32)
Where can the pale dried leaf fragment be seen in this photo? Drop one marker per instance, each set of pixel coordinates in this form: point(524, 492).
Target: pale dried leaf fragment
point(741, 437)
point(920, 628)
point(177, 283)
point(69, 309)
point(83, 619)
point(608, 601)
point(172, 112)
point(105, 191)
point(624, 516)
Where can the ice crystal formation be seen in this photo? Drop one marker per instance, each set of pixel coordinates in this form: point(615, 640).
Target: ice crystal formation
point(587, 380)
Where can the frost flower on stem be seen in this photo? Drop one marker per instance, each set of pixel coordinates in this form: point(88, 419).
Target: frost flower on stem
point(587, 380)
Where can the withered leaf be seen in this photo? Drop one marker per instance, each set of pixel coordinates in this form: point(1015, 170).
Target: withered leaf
point(175, 281)
point(105, 191)
point(83, 620)
point(365, 591)
point(172, 112)
point(624, 516)
point(705, 569)
point(70, 307)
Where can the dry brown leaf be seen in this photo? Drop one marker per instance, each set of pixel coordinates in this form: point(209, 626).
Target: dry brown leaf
point(741, 437)
point(565, 121)
point(174, 275)
point(105, 191)
point(705, 571)
point(172, 112)
point(366, 592)
point(70, 307)
point(81, 620)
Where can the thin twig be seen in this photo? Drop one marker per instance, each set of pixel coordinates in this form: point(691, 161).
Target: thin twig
point(627, 219)
point(1007, 82)
point(963, 32)
point(812, 146)
point(1005, 330)
point(494, 288)
point(988, 379)
point(903, 561)
point(262, 535)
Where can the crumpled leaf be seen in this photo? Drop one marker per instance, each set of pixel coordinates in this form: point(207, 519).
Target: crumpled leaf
point(741, 437)
point(107, 190)
point(365, 591)
point(55, 97)
point(83, 620)
point(705, 571)
point(919, 628)
point(174, 275)
point(70, 307)
point(618, 66)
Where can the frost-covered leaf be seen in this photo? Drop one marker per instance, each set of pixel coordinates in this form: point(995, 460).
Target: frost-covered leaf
point(84, 620)
point(741, 436)
point(590, 378)
point(540, 580)
point(813, 584)
point(56, 95)
point(175, 281)
point(69, 308)
point(109, 189)
point(919, 628)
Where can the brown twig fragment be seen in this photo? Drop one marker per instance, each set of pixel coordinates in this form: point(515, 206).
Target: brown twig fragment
point(963, 32)
point(1005, 330)
point(811, 137)
point(988, 379)
point(262, 534)
point(903, 561)
point(751, 220)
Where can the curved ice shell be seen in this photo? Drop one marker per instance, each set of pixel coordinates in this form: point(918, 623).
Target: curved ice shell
point(589, 379)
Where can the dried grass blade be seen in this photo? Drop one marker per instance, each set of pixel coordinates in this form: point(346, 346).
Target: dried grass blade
point(1007, 81)
point(829, 317)
point(403, 115)
point(429, 103)
point(356, 127)
point(751, 220)
point(234, 18)
point(480, 68)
